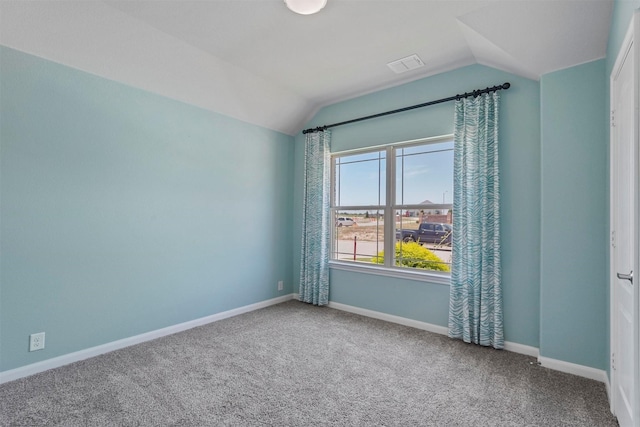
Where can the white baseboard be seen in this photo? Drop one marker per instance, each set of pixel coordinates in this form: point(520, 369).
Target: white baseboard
point(572, 368)
point(390, 318)
point(34, 368)
point(442, 330)
point(45, 365)
point(607, 387)
point(556, 365)
point(527, 350)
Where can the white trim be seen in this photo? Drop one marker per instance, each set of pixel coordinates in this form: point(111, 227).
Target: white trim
point(395, 272)
point(390, 318)
point(575, 369)
point(380, 147)
point(45, 365)
point(390, 205)
point(56, 362)
point(527, 350)
point(389, 226)
point(557, 365)
point(629, 44)
point(607, 387)
point(442, 330)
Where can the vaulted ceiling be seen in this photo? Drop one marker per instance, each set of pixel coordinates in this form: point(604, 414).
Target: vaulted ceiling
point(256, 61)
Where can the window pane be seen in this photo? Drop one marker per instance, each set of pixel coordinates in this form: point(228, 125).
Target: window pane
point(423, 245)
point(360, 179)
point(358, 235)
point(423, 181)
point(424, 174)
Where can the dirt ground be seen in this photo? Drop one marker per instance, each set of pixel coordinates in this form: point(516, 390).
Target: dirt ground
point(366, 229)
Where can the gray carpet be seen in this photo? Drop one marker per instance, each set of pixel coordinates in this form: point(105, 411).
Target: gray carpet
point(296, 365)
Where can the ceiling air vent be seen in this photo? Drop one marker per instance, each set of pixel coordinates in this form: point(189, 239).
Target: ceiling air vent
point(406, 64)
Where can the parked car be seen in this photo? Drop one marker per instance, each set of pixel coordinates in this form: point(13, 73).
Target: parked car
point(428, 232)
point(344, 221)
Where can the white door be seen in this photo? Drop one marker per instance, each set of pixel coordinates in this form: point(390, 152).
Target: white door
point(625, 275)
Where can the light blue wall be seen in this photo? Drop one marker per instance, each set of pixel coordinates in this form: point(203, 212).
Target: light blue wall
point(125, 212)
point(573, 276)
point(555, 290)
point(520, 186)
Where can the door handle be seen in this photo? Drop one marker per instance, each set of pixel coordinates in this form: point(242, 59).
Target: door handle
point(628, 277)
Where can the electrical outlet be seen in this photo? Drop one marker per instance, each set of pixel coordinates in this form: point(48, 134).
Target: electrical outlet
point(280, 285)
point(36, 341)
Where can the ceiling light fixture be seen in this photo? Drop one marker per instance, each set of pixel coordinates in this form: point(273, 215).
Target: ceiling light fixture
point(305, 7)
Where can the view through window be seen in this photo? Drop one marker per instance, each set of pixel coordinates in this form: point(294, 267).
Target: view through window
point(396, 199)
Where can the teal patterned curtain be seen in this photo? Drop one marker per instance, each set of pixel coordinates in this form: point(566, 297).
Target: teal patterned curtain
point(475, 305)
point(314, 266)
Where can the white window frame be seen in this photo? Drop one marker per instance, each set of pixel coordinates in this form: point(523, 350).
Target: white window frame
point(388, 268)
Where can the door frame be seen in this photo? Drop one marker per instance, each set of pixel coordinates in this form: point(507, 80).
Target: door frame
point(631, 41)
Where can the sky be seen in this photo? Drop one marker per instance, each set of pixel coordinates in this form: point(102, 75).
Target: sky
point(423, 172)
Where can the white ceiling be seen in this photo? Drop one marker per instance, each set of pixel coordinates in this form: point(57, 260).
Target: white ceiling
point(259, 62)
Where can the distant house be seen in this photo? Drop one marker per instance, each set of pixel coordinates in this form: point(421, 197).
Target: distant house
point(433, 211)
point(434, 215)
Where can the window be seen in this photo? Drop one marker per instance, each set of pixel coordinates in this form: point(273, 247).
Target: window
point(394, 199)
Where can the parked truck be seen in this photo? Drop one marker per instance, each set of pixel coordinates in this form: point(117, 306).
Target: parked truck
point(428, 232)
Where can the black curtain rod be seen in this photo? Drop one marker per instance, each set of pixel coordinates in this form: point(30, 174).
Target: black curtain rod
point(474, 93)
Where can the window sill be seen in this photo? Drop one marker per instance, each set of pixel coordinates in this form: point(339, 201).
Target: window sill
point(399, 273)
